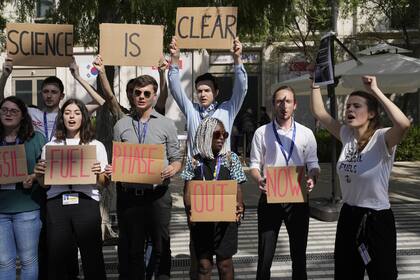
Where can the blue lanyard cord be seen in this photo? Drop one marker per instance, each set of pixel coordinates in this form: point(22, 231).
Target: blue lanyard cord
point(216, 170)
point(141, 134)
point(292, 144)
point(46, 127)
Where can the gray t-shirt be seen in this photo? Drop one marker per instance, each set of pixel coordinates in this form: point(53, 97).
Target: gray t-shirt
point(160, 130)
point(364, 176)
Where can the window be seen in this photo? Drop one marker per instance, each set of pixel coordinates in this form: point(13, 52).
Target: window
point(42, 7)
point(26, 84)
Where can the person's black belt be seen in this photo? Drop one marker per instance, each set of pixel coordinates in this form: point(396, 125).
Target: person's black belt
point(143, 191)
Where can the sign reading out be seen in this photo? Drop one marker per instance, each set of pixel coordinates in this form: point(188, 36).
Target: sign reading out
point(213, 201)
point(137, 163)
point(206, 27)
point(283, 184)
point(13, 168)
point(70, 165)
point(40, 44)
point(131, 44)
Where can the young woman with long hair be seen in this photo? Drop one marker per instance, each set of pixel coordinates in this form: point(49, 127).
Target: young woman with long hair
point(20, 223)
point(366, 234)
point(79, 222)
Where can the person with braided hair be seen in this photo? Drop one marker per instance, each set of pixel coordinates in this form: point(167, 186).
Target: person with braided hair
point(214, 162)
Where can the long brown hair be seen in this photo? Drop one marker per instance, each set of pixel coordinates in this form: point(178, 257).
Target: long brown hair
point(374, 123)
point(26, 129)
point(86, 129)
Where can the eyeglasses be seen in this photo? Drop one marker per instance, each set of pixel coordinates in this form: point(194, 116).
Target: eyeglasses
point(146, 93)
point(5, 111)
point(218, 133)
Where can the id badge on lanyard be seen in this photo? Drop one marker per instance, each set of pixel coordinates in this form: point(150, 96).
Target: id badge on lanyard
point(70, 198)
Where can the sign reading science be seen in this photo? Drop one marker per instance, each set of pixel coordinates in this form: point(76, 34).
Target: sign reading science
point(206, 27)
point(40, 44)
point(131, 44)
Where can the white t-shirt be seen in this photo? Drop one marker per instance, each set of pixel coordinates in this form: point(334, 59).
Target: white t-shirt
point(364, 176)
point(266, 151)
point(89, 190)
point(38, 122)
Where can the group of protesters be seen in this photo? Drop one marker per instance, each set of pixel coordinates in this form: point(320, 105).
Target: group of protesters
point(45, 226)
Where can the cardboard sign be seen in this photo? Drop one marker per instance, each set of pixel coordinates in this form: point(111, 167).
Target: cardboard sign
point(206, 27)
point(284, 184)
point(131, 44)
point(13, 168)
point(70, 165)
point(137, 163)
point(40, 44)
point(213, 201)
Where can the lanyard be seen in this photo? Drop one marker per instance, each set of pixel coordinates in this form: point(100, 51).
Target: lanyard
point(216, 170)
point(46, 127)
point(283, 151)
point(141, 134)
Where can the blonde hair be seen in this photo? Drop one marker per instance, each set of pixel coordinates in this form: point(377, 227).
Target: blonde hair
point(204, 137)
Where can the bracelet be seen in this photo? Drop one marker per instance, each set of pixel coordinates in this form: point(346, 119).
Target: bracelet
point(316, 87)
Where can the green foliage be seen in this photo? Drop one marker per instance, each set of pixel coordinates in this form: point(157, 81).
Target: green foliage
point(324, 144)
point(409, 149)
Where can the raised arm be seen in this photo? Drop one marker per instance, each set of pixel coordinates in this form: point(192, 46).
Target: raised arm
point(7, 70)
point(240, 86)
point(320, 113)
point(174, 80)
point(400, 123)
point(110, 98)
point(74, 69)
point(161, 102)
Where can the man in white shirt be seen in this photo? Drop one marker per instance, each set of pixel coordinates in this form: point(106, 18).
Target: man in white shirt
point(283, 142)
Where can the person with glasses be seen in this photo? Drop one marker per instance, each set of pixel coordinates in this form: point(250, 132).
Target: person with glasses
point(143, 208)
point(283, 142)
point(76, 224)
point(207, 91)
point(20, 222)
point(214, 162)
point(44, 121)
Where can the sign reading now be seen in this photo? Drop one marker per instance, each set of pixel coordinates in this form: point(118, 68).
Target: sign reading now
point(283, 184)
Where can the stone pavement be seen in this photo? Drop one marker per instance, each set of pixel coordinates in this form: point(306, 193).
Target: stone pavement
point(405, 199)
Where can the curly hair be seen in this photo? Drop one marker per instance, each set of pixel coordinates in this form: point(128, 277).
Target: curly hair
point(86, 128)
point(26, 128)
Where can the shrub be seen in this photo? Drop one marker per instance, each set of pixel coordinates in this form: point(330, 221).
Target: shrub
point(409, 148)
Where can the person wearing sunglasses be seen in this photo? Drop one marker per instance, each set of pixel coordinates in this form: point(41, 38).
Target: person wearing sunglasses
point(20, 222)
point(145, 208)
point(283, 142)
point(207, 91)
point(214, 162)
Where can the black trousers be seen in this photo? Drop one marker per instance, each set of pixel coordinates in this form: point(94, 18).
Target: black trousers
point(139, 213)
point(70, 226)
point(378, 234)
point(270, 219)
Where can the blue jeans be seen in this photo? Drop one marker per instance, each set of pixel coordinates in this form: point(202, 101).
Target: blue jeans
point(19, 236)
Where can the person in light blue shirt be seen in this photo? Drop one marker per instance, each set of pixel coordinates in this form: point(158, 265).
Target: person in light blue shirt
point(207, 91)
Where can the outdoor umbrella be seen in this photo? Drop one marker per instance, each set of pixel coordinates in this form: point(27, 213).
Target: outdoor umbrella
point(383, 48)
point(395, 73)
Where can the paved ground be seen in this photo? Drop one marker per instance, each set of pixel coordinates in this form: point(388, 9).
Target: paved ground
point(405, 198)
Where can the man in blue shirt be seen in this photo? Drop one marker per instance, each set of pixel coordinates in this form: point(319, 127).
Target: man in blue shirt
point(207, 91)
